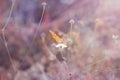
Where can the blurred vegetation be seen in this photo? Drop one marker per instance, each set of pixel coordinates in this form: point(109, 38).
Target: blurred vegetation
point(85, 49)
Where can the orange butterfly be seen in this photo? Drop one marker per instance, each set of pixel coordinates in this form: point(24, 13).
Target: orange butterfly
point(55, 36)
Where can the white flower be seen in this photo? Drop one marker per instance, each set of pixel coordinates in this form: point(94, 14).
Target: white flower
point(61, 45)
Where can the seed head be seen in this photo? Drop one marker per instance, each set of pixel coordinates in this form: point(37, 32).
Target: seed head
point(44, 3)
point(72, 21)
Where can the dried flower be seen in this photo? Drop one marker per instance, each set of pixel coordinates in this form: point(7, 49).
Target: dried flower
point(44, 3)
point(115, 36)
point(72, 21)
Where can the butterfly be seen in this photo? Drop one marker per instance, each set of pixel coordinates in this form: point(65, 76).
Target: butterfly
point(60, 42)
point(55, 36)
point(60, 45)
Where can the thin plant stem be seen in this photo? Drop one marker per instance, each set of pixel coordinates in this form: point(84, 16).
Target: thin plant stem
point(3, 35)
point(37, 29)
point(1, 39)
point(71, 26)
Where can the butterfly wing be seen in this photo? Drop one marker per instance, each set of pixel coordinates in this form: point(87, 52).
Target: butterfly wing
point(55, 36)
